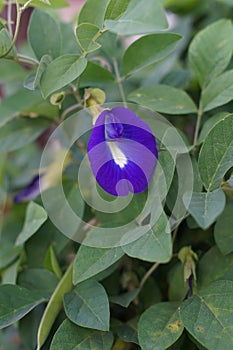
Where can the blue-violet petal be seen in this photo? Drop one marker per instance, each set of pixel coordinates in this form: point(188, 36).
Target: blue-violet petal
point(122, 152)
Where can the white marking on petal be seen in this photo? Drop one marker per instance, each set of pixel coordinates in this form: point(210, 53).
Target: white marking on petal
point(118, 156)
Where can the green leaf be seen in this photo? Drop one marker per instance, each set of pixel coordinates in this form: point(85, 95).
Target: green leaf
point(72, 337)
point(124, 299)
point(35, 217)
point(86, 36)
point(211, 50)
point(11, 71)
point(159, 326)
point(212, 316)
point(90, 261)
point(218, 92)
point(155, 245)
point(8, 251)
point(223, 231)
point(205, 207)
point(19, 101)
point(87, 306)
point(210, 123)
point(116, 9)
point(44, 34)
point(53, 307)
point(139, 18)
point(5, 43)
point(45, 60)
point(93, 12)
point(147, 50)
point(61, 72)
point(41, 280)
point(69, 212)
point(215, 157)
point(164, 99)
point(128, 331)
point(16, 302)
point(51, 262)
point(95, 75)
point(178, 288)
point(18, 133)
point(69, 43)
point(9, 275)
point(160, 185)
point(212, 266)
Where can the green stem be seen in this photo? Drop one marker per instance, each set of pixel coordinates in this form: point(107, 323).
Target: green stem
point(19, 12)
point(98, 35)
point(26, 5)
point(54, 306)
point(26, 59)
point(9, 17)
point(70, 109)
point(119, 81)
point(175, 234)
point(196, 133)
point(148, 274)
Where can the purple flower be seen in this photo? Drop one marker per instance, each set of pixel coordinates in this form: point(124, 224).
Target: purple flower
point(122, 152)
point(30, 192)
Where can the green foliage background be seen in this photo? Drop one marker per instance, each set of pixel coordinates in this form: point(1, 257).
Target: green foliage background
point(56, 294)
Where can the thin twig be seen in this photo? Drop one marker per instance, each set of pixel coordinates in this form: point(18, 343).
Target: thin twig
point(198, 123)
point(18, 9)
point(147, 275)
point(119, 81)
point(26, 59)
point(175, 234)
point(69, 109)
point(9, 17)
point(26, 5)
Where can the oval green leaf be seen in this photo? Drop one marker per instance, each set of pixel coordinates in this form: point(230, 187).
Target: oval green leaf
point(44, 34)
point(210, 123)
point(213, 266)
point(90, 261)
point(5, 43)
point(35, 217)
point(205, 207)
point(218, 92)
point(41, 280)
point(96, 76)
point(211, 50)
point(116, 9)
point(69, 336)
point(215, 157)
point(155, 245)
point(86, 35)
point(159, 326)
point(61, 72)
point(212, 316)
point(141, 17)
point(93, 12)
point(16, 302)
point(87, 306)
point(223, 231)
point(164, 99)
point(147, 50)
